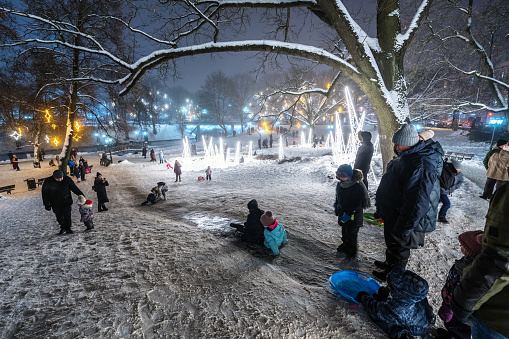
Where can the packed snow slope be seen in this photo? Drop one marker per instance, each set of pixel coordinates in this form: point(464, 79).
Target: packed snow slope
point(175, 269)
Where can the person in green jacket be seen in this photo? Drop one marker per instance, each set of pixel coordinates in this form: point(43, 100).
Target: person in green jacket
point(482, 297)
point(490, 183)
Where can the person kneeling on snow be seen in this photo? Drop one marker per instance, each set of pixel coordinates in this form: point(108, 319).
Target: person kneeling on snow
point(275, 234)
point(401, 308)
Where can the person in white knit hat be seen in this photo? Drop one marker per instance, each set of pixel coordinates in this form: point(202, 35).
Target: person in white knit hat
point(407, 198)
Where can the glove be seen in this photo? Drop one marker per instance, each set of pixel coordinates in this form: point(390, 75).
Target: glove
point(359, 296)
point(48, 208)
point(345, 218)
point(382, 294)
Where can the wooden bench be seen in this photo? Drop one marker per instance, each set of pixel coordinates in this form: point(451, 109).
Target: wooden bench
point(458, 156)
point(7, 189)
point(40, 181)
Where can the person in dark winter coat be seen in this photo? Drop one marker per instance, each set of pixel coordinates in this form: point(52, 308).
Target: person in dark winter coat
point(471, 246)
point(404, 197)
point(177, 168)
point(99, 187)
point(83, 170)
point(252, 230)
point(444, 196)
point(401, 308)
point(152, 155)
point(275, 233)
point(482, 296)
point(351, 198)
point(77, 173)
point(490, 182)
point(144, 151)
point(15, 162)
point(56, 196)
point(364, 155)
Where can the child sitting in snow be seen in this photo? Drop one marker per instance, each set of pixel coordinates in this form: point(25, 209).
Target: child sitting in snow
point(275, 234)
point(401, 308)
point(87, 214)
point(471, 246)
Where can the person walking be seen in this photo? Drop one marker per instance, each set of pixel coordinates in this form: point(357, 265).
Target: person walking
point(177, 169)
point(15, 162)
point(161, 157)
point(99, 187)
point(498, 167)
point(152, 155)
point(407, 198)
point(364, 155)
point(481, 297)
point(56, 196)
point(490, 183)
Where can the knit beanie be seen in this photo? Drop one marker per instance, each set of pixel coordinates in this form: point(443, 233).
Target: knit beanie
point(472, 243)
point(267, 218)
point(426, 134)
point(406, 135)
point(81, 200)
point(501, 142)
point(58, 174)
point(344, 171)
point(98, 174)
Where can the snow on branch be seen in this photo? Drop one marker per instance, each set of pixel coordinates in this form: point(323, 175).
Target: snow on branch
point(403, 40)
point(298, 50)
point(261, 3)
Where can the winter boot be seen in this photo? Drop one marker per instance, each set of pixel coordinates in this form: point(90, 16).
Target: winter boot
point(443, 220)
point(341, 248)
point(105, 208)
point(62, 231)
point(381, 264)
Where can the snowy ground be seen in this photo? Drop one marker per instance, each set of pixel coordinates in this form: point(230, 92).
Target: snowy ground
point(174, 270)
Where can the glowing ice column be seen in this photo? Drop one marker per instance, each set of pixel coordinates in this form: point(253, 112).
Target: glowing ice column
point(310, 138)
point(355, 126)
point(329, 142)
point(227, 158)
point(250, 152)
point(338, 150)
point(220, 155)
point(236, 160)
point(186, 153)
point(281, 153)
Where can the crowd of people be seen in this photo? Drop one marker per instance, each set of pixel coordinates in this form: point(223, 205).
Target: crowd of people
point(407, 200)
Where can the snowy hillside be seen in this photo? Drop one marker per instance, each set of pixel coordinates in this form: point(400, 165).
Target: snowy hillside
point(175, 270)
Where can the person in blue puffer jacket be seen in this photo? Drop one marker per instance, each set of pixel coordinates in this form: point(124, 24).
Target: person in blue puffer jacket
point(275, 234)
point(401, 308)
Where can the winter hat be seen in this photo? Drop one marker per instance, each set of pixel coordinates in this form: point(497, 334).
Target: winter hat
point(58, 174)
point(267, 218)
point(252, 205)
point(406, 135)
point(472, 243)
point(426, 134)
point(344, 171)
point(98, 174)
point(81, 200)
point(501, 142)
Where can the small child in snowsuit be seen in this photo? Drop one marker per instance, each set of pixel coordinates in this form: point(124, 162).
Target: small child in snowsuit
point(275, 234)
point(208, 173)
point(86, 211)
point(401, 308)
point(351, 198)
point(471, 246)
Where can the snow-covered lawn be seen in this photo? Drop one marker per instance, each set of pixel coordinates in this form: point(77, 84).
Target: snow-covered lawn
point(175, 270)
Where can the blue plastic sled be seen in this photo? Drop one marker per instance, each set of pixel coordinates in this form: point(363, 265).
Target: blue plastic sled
point(349, 283)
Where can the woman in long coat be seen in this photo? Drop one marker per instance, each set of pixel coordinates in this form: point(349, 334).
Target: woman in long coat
point(100, 188)
point(177, 168)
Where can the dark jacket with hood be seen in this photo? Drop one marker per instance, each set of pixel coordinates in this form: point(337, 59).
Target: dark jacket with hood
point(406, 309)
point(484, 289)
point(253, 226)
point(58, 193)
point(100, 188)
point(410, 190)
point(351, 198)
point(364, 154)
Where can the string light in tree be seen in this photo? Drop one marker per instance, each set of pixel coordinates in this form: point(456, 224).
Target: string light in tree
point(15, 135)
point(55, 141)
point(47, 139)
point(54, 126)
point(77, 126)
point(48, 116)
point(76, 137)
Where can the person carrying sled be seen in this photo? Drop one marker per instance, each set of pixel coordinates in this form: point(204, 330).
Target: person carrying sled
point(401, 308)
point(351, 198)
point(275, 233)
point(407, 198)
point(252, 230)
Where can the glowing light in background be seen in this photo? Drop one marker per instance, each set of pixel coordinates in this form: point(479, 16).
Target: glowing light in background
point(48, 116)
point(55, 141)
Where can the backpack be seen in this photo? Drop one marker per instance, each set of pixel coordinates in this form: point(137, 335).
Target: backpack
point(448, 174)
